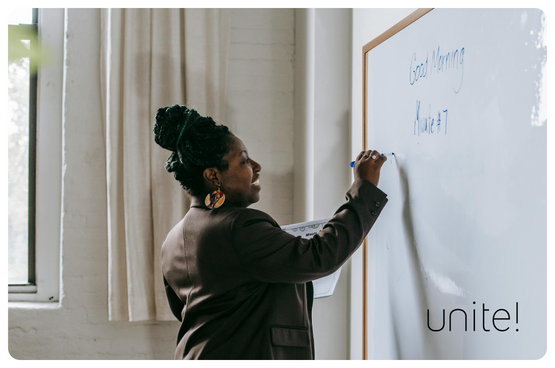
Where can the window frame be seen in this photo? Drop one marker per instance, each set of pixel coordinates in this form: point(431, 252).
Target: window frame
point(45, 165)
point(21, 31)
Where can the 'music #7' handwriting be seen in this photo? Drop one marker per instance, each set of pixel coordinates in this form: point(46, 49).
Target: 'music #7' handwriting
point(428, 124)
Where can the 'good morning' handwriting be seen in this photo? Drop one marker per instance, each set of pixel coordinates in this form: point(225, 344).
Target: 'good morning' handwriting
point(422, 67)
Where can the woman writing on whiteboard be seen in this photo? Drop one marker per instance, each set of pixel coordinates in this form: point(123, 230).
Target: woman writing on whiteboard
point(240, 285)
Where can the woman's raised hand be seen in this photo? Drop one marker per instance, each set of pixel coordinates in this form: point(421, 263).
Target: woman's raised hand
point(368, 165)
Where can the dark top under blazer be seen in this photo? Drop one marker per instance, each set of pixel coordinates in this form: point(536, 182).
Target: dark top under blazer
point(241, 286)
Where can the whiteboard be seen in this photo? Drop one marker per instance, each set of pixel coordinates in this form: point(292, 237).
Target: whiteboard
point(459, 96)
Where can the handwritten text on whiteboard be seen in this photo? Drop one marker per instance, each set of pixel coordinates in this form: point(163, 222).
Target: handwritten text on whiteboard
point(422, 67)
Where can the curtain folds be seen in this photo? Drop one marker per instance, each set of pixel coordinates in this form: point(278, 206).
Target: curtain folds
point(151, 58)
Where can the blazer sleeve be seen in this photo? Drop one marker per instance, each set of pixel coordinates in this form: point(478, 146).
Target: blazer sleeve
point(270, 254)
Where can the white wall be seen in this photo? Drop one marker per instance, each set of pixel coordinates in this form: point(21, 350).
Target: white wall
point(332, 175)
point(367, 25)
point(261, 82)
point(260, 100)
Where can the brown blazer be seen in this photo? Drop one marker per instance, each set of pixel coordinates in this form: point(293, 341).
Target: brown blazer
point(241, 286)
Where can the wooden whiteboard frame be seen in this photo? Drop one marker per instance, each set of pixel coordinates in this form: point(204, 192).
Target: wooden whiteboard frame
point(417, 14)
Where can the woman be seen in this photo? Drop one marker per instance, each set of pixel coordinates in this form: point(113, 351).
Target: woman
point(240, 285)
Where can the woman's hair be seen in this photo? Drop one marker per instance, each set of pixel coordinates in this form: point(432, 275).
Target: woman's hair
point(196, 143)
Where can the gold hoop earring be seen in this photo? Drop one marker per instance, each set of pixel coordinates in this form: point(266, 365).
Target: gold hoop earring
point(214, 199)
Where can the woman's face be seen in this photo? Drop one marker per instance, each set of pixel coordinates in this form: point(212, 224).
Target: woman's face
point(240, 181)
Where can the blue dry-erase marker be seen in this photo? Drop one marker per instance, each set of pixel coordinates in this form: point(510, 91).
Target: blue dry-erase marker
point(383, 154)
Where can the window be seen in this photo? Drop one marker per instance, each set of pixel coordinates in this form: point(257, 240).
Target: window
point(34, 153)
point(22, 92)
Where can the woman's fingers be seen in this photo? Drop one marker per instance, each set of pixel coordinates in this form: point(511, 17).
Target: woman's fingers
point(371, 155)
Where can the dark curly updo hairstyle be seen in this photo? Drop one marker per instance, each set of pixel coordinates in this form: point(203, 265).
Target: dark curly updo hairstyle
point(196, 143)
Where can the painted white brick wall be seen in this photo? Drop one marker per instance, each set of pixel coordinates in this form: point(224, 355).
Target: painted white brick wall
point(260, 100)
point(260, 111)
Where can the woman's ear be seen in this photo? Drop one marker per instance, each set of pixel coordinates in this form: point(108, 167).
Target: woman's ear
point(211, 176)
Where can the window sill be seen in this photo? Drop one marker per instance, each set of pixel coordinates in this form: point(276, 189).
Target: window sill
point(29, 293)
point(22, 289)
point(17, 305)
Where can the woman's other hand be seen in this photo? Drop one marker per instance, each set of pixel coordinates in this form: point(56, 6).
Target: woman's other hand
point(368, 165)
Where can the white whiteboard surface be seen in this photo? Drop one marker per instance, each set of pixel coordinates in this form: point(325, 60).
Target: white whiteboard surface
point(465, 228)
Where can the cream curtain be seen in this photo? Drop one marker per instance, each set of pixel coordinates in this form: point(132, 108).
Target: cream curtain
point(151, 58)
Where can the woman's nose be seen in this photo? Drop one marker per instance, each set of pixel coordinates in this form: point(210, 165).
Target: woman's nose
point(256, 166)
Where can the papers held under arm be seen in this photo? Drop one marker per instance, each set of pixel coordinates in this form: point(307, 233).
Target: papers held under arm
point(326, 285)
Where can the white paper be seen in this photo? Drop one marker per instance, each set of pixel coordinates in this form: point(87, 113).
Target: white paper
point(326, 285)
